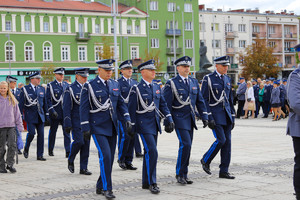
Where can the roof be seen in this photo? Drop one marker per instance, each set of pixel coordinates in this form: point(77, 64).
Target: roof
point(66, 5)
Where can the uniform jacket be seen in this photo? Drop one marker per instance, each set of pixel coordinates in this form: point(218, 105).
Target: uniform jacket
point(241, 91)
point(71, 106)
point(275, 96)
point(125, 88)
point(32, 113)
point(268, 92)
point(220, 111)
point(282, 93)
point(184, 118)
point(293, 96)
point(145, 123)
point(256, 91)
point(101, 122)
point(58, 91)
point(17, 93)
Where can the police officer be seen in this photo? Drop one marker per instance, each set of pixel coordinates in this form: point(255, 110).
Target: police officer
point(12, 82)
point(71, 102)
point(100, 101)
point(241, 96)
point(147, 106)
point(54, 96)
point(256, 91)
point(126, 142)
point(216, 90)
point(267, 98)
point(33, 104)
point(293, 91)
point(183, 95)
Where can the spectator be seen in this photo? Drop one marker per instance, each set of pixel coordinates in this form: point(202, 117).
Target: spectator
point(250, 101)
point(275, 101)
point(260, 97)
point(10, 118)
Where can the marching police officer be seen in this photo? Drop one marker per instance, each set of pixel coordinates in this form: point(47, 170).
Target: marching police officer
point(33, 104)
point(71, 102)
point(216, 90)
point(241, 96)
point(126, 142)
point(100, 101)
point(54, 96)
point(183, 95)
point(12, 82)
point(147, 106)
point(293, 91)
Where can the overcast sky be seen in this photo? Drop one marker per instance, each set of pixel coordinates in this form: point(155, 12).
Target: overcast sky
point(263, 5)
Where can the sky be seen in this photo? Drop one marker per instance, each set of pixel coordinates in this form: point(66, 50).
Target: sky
point(263, 5)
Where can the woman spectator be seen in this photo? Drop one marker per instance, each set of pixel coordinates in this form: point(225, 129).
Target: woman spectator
point(250, 101)
point(10, 119)
point(261, 97)
point(275, 100)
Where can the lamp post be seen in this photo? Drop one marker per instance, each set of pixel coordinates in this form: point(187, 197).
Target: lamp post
point(9, 53)
point(174, 40)
point(115, 38)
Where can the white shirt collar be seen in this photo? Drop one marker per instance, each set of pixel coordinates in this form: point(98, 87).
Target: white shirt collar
point(126, 79)
point(58, 81)
point(218, 74)
point(183, 78)
point(32, 85)
point(79, 83)
point(146, 82)
point(103, 81)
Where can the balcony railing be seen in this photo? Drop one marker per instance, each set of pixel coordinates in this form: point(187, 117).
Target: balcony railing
point(170, 32)
point(170, 51)
point(232, 34)
point(291, 35)
point(83, 36)
point(231, 50)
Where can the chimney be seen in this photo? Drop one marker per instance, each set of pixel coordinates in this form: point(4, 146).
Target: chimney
point(202, 7)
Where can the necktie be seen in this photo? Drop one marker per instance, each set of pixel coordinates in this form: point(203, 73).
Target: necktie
point(222, 77)
point(106, 84)
point(128, 81)
point(186, 82)
point(35, 89)
point(13, 91)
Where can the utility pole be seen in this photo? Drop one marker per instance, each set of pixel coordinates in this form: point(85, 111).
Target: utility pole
point(9, 53)
point(115, 38)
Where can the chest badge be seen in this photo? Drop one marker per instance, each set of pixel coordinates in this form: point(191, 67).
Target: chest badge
point(157, 92)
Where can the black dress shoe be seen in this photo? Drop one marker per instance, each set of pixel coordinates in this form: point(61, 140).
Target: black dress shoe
point(181, 180)
point(154, 189)
point(139, 155)
point(122, 165)
point(67, 154)
point(41, 158)
point(226, 175)
point(188, 181)
point(25, 153)
point(51, 153)
point(109, 194)
point(99, 191)
point(11, 169)
point(130, 167)
point(5, 171)
point(145, 186)
point(85, 172)
point(205, 167)
point(19, 152)
point(71, 166)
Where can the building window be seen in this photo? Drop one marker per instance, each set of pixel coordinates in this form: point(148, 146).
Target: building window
point(153, 5)
point(216, 43)
point(255, 29)
point(65, 53)
point(113, 52)
point(271, 29)
point(8, 25)
point(47, 51)
point(46, 26)
point(154, 43)
point(98, 52)
point(27, 26)
point(170, 43)
point(137, 29)
point(242, 27)
point(229, 43)
point(28, 48)
point(288, 59)
point(9, 51)
point(242, 43)
point(215, 27)
point(272, 44)
point(287, 30)
point(128, 29)
point(97, 28)
point(189, 44)
point(154, 24)
point(171, 7)
point(171, 25)
point(82, 53)
point(202, 27)
point(64, 27)
point(134, 52)
point(188, 7)
point(188, 26)
point(228, 28)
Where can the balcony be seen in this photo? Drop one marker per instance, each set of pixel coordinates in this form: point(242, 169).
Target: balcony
point(83, 36)
point(289, 50)
point(232, 34)
point(231, 50)
point(259, 34)
point(290, 36)
point(170, 51)
point(170, 32)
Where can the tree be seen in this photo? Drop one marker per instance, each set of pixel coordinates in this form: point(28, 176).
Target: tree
point(47, 73)
point(258, 60)
point(105, 52)
point(154, 54)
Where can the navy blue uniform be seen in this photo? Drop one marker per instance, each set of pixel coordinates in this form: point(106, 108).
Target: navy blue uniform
point(125, 142)
point(33, 104)
point(218, 98)
point(54, 98)
point(98, 114)
point(183, 114)
point(256, 91)
point(71, 104)
point(146, 105)
point(266, 99)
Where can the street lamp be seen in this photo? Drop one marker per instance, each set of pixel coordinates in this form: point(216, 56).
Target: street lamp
point(9, 53)
point(174, 41)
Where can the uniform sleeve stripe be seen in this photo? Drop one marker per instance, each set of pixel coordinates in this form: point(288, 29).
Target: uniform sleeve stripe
point(126, 114)
point(85, 122)
point(168, 115)
point(208, 113)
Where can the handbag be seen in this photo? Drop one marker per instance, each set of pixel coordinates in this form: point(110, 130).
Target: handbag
point(251, 106)
point(249, 99)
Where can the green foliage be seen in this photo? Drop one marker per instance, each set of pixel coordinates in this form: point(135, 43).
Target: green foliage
point(47, 73)
point(297, 58)
point(154, 54)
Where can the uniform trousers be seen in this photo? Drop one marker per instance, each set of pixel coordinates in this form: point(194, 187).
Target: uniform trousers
point(266, 108)
point(150, 158)
point(222, 133)
point(125, 144)
point(296, 142)
point(106, 146)
point(185, 138)
point(52, 135)
point(7, 137)
point(40, 137)
point(79, 144)
point(137, 145)
point(240, 111)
